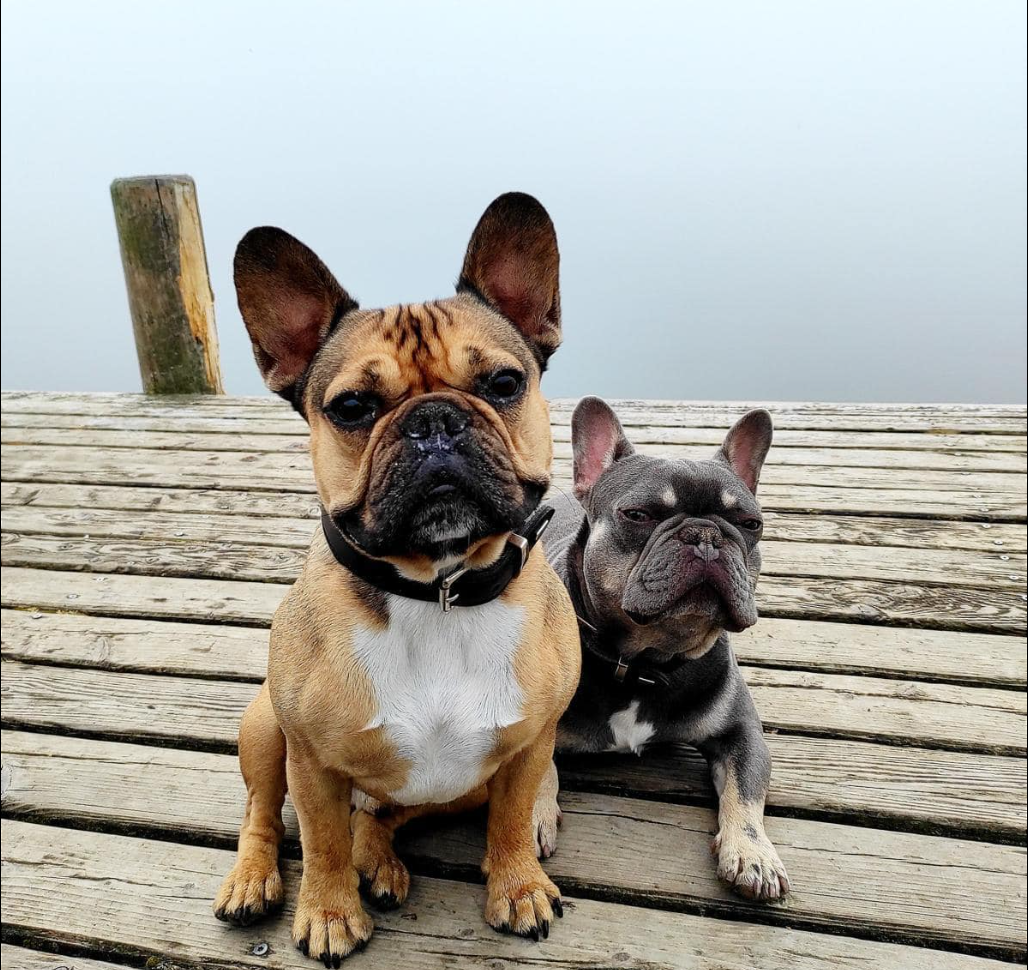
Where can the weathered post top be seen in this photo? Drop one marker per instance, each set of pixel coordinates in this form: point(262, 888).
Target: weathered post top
point(169, 291)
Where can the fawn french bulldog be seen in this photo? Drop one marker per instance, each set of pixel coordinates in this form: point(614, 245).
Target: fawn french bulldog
point(425, 654)
point(661, 559)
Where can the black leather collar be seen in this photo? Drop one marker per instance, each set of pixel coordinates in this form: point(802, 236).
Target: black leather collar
point(460, 586)
point(635, 672)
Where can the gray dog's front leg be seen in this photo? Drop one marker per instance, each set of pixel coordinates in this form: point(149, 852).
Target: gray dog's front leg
point(740, 768)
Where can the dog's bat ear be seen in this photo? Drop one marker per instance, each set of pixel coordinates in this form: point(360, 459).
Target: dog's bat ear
point(597, 441)
point(746, 446)
point(513, 264)
point(289, 301)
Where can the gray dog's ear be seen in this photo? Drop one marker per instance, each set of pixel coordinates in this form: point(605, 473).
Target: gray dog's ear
point(512, 262)
point(597, 441)
point(289, 302)
point(746, 446)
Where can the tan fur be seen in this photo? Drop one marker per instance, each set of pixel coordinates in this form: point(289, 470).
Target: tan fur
point(318, 700)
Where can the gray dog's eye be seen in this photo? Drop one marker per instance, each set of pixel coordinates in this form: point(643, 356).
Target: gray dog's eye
point(751, 524)
point(636, 515)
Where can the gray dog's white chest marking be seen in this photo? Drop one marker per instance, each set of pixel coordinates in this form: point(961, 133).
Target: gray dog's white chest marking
point(630, 734)
point(444, 685)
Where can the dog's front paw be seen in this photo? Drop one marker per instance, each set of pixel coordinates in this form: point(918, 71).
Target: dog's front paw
point(252, 890)
point(749, 863)
point(331, 932)
point(546, 821)
point(523, 904)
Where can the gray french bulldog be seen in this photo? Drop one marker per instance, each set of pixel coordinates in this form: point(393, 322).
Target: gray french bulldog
point(661, 559)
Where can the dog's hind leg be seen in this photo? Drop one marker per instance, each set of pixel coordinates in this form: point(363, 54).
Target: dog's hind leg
point(385, 880)
point(254, 886)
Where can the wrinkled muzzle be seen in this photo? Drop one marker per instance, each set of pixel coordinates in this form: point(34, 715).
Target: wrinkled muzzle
point(440, 479)
point(691, 565)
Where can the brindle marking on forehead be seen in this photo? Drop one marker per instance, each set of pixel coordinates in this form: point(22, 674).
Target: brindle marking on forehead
point(411, 348)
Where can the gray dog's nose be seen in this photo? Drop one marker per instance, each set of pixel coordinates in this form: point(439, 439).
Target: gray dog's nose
point(435, 421)
point(704, 539)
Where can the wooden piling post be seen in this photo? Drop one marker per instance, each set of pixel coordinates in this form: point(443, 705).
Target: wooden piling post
point(169, 291)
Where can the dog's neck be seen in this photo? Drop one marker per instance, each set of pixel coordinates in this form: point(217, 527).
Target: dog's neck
point(463, 584)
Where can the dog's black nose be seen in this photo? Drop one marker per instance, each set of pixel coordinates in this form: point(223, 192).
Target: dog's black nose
point(438, 421)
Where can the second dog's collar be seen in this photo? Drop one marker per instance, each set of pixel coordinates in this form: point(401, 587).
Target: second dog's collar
point(636, 671)
point(460, 586)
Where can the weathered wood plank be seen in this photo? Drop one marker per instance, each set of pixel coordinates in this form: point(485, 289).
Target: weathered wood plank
point(52, 895)
point(914, 886)
point(840, 875)
point(884, 494)
point(284, 519)
point(987, 610)
point(848, 781)
point(212, 601)
point(206, 713)
point(165, 440)
point(20, 958)
point(930, 418)
point(989, 569)
point(237, 652)
point(293, 468)
point(292, 426)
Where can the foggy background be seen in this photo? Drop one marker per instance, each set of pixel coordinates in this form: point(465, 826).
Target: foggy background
point(789, 201)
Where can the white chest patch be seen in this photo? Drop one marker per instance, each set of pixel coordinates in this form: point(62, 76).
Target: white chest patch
point(630, 734)
point(444, 685)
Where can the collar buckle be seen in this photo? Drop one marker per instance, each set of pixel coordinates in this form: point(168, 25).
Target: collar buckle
point(624, 675)
point(446, 596)
point(524, 544)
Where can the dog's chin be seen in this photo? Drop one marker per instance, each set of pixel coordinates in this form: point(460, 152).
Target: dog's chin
point(440, 525)
point(447, 524)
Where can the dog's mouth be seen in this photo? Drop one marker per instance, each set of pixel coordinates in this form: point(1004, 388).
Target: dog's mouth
point(709, 593)
point(440, 509)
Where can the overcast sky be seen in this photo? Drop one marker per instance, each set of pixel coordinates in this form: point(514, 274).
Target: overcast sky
point(769, 201)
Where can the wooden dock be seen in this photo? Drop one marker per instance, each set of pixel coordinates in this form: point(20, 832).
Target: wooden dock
point(146, 543)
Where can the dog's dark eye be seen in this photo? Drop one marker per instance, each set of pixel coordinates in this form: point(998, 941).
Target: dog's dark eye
point(352, 409)
point(505, 384)
point(636, 515)
point(752, 525)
